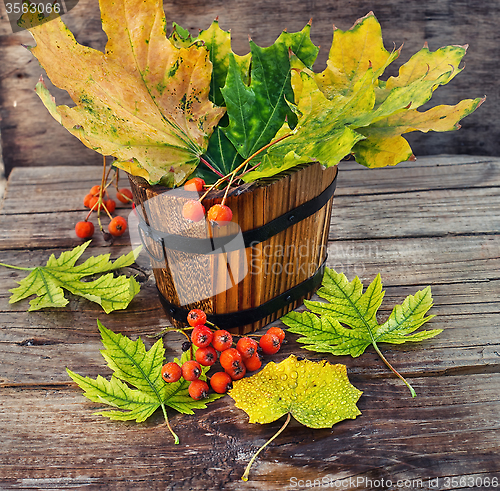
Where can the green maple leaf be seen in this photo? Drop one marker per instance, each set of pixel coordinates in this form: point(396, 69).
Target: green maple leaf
point(218, 43)
point(316, 394)
point(256, 112)
point(47, 282)
point(134, 366)
point(322, 328)
point(145, 100)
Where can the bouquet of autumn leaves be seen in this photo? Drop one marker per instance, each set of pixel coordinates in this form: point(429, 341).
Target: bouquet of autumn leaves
point(169, 108)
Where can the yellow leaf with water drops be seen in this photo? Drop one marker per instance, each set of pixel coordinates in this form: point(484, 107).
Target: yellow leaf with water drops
point(317, 394)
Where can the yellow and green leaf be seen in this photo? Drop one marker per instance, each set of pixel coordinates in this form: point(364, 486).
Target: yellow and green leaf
point(143, 99)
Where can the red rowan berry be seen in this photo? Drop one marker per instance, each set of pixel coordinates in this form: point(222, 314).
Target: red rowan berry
point(191, 370)
point(206, 356)
point(84, 229)
point(201, 336)
point(237, 373)
point(222, 340)
point(117, 226)
point(247, 347)
point(110, 205)
point(253, 363)
point(171, 372)
point(124, 195)
point(220, 214)
point(195, 184)
point(221, 382)
point(94, 190)
point(270, 344)
point(198, 389)
point(86, 200)
point(193, 210)
point(230, 359)
point(196, 317)
point(278, 332)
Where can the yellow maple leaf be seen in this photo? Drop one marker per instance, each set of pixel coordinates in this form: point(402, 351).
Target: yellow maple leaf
point(316, 394)
point(144, 100)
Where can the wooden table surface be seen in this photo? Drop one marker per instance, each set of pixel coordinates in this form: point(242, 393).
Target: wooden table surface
point(432, 222)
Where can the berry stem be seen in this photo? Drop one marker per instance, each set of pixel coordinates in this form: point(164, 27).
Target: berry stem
point(243, 164)
point(16, 267)
point(211, 167)
point(244, 477)
point(227, 190)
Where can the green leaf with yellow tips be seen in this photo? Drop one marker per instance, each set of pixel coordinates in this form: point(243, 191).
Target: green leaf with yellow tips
point(135, 366)
point(62, 273)
point(316, 394)
point(323, 328)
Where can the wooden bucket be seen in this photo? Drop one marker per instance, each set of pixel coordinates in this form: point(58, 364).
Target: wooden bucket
point(251, 272)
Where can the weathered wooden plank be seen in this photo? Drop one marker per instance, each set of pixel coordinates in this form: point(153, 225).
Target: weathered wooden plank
point(427, 213)
point(67, 185)
point(395, 438)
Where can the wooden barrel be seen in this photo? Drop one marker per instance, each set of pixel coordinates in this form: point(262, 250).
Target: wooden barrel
point(251, 272)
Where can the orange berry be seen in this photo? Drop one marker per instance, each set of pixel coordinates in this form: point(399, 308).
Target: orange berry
point(253, 363)
point(171, 372)
point(278, 332)
point(230, 359)
point(94, 190)
point(198, 389)
point(117, 226)
point(237, 373)
point(247, 347)
point(86, 200)
point(196, 317)
point(193, 210)
point(201, 336)
point(221, 382)
point(110, 205)
point(220, 214)
point(206, 356)
point(195, 184)
point(84, 230)
point(270, 344)
point(222, 340)
point(124, 195)
point(191, 370)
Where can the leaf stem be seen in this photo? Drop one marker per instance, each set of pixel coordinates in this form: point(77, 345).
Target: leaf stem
point(393, 370)
point(167, 422)
point(16, 267)
point(244, 477)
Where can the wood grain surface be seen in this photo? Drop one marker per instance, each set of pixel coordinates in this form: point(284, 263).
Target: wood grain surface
point(431, 222)
point(30, 136)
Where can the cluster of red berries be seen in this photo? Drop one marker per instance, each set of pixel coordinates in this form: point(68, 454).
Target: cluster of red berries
point(97, 200)
point(194, 211)
point(218, 344)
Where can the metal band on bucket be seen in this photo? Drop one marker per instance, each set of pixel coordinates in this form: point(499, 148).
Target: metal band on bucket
point(255, 314)
point(250, 237)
